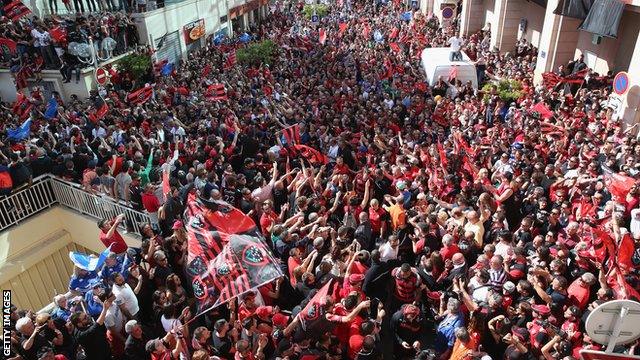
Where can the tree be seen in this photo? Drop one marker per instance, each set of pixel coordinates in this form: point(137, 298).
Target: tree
point(257, 53)
point(508, 90)
point(138, 66)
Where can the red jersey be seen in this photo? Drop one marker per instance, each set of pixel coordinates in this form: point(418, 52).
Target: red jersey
point(119, 245)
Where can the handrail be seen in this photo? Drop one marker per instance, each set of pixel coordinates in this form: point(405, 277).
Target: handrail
point(46, 191)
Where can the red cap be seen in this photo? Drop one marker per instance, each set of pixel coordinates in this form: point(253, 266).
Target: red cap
point(355, 278)
point(213, 153)
point(177, 225)
point(280, 320)
point(516, 273)
point(264, 311)
point(541, 309)
point(433, 295)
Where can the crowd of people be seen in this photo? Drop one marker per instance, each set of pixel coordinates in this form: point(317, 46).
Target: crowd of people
point(451, 223)
point(36, 44)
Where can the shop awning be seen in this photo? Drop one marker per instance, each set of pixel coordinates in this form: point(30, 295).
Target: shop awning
point(604, 18)
point(574, 8)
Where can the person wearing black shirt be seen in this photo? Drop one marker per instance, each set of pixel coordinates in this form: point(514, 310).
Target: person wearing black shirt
point(221, 339)
point(93, 337)
point(20, 173)
point(41, 163)
point(134, 347)
point(33, 338)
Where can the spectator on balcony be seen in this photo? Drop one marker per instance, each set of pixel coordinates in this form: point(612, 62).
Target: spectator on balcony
point(69, 64)
point(6, 183)
point(109, 234)
point(20, 172)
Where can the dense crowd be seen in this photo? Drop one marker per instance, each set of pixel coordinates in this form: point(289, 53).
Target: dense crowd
point(34, 44)
point(452, 223)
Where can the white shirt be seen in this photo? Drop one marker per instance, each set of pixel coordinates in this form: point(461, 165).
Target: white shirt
point(168, 324)
point(114, 318)
point(455, 43)
point(387, 252)
point(125, 295)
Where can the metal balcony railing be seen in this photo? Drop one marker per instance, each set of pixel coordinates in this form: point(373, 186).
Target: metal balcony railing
point(47, 191)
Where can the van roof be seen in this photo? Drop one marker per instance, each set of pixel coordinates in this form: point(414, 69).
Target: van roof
point(440, 57)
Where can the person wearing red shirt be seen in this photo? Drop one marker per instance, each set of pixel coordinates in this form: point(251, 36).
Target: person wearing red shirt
point(158, 347)
point(449, 247)
point(353, 283)
point(115, 163)
point(356, 340)
point(151, 204)
point(270, 217)
point(248, 306)
point(378, 218)
point(579, 291)
point(110, 236)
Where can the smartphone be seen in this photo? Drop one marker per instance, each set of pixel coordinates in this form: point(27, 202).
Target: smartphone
point(373, 309)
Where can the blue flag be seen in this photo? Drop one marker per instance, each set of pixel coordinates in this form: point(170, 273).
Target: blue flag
point(377, 36)
point(244, 38)
point(406, 16)
point(167, 69)
point(88, 262)
point(21, 132)
point(218, 39)
point(52, 109)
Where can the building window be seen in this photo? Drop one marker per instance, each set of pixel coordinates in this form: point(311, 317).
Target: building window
point(223, 19)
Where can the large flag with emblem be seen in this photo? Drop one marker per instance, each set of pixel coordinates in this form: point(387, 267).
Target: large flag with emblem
point(227, 256)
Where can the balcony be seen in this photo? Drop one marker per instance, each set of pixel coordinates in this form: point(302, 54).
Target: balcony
point(40, 224)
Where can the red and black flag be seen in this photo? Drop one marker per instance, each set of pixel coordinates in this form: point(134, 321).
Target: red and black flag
point(227, 256)
point(16, 10)
point(100, 110)
point(576, 78)
point(617, 184)
point(315, 310)
point(216, 92)
point(292, 134)
point(312, 155)
point(140, 96)
point(8, 46)
point(550, 80)
point(231, 60)
point(22, 107)
point(542, 110)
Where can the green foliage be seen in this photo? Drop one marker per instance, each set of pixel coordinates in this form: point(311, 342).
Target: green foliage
point(320, 10)
point(508, 90)
point(137, 65)
point(257, 53)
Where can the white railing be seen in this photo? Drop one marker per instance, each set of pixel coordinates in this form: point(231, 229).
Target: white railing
point(47, 191)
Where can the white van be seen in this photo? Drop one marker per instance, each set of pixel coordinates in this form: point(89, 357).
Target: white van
point(436, 63)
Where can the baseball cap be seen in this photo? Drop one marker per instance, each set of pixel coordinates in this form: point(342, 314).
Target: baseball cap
point(521, 333)
point(541, 309)
point(177, 225)
point(280, 320)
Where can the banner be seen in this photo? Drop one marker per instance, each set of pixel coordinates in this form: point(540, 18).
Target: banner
point(140, 96)
point(193, 31)
point(16, 10)
point(618, 185)
point(292, 134)
point(227, 256)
